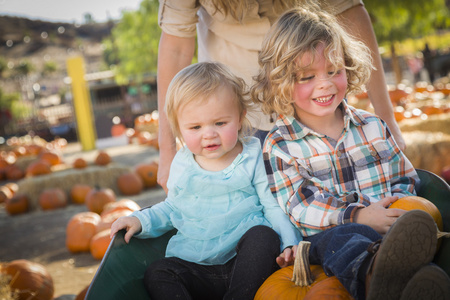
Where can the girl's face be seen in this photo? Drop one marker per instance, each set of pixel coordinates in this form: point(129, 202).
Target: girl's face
point(210, 129)
point(319, 89)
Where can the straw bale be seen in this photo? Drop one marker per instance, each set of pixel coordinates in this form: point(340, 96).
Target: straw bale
point(434, 123)
point(101, 176)
point(428, 150)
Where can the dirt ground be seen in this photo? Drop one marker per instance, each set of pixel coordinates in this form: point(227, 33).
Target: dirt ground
point(39, 236)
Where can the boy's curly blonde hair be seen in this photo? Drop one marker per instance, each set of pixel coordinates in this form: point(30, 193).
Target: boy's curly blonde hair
point(196, 83)
point(298, 31)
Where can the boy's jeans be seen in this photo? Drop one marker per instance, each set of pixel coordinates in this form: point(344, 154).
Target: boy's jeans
point(239, 278)
point(341, 250)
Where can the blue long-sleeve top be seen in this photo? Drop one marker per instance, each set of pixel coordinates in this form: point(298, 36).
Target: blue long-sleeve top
point(212, 210)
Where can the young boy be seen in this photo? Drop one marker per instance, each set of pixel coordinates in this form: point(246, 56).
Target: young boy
point(335, 169)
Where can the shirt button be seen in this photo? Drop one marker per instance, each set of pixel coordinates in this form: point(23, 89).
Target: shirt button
point(373, 153)
point(338, 153)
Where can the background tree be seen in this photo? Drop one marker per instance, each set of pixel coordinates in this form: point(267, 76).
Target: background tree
point(3, 66)
point(395, 21)
point(133, 46)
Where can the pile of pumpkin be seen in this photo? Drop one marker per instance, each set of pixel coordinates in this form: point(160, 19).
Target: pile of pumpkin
point(90, 231)
point(145, 131)
point(19, 153)
point(132, 182)
point(423, 115)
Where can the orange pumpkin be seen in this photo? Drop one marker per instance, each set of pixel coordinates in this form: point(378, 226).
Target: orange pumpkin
point(102, 159)
point(12, 186)
point(78, 193)
point(18, 204)
point(396, 95)
point(119, 205)
point(38, 168)
point(52, 158)
point(98, 197)
point(148, 173)
point(118, 130)
point(14, 173)
point(5, 193)
point(288, 283)
point(29, 280)
point(52, 198)
point(79, 163)
point(79, 231)
point(82, 294)
point(109, 218)
point(100, 243)
point(130, 183)
point(416, 202)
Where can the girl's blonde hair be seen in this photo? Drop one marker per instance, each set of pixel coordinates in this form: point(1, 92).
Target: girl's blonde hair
point(196, 83)
point(298, 31)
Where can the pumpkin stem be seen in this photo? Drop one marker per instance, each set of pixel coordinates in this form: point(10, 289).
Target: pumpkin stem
point(441, 234)
point(302, 273)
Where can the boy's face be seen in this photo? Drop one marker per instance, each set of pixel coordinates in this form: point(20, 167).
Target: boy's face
point(210, 128)
point(319, 89)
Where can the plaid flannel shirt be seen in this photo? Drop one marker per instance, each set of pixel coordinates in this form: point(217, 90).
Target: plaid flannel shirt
point(320, 183)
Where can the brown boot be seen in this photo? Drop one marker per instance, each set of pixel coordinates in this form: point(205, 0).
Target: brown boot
point(408, 245)
point(430, 283)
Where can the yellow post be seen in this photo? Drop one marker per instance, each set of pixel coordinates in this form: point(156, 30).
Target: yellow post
point(82, 103)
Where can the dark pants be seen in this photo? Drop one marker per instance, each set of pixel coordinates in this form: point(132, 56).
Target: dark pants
point(342, 251)
point(239, 278)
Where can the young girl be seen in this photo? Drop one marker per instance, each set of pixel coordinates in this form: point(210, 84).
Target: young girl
point(335, 169)
point(218, 197)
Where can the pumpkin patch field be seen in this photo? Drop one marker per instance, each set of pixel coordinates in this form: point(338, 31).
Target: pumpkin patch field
point(94, 187)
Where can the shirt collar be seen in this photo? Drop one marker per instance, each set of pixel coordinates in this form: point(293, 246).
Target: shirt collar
point(291, 129)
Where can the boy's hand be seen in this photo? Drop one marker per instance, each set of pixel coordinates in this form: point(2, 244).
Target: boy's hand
point(377, 216)
point(131, 224)
point(287, 257)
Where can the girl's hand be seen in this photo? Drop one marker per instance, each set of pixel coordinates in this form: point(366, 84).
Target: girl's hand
point(377, 215)
point(131, 224)
point(287, 257)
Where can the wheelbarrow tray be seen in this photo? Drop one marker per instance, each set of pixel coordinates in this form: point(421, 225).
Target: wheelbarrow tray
point(120, 274)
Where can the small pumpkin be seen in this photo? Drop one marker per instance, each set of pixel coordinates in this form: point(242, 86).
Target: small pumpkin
point(416, 202)
point(82, 294)
point(5, 193)
point(109, 218)
point(52, 158)
point(12, 186)
point(29, 280)
point(78, 193)
point(302, 281)
point(18, 204)
point(14, 173)
point(79, 231)
point(79, 163)
point(148, 173)
point(97, 198)
point(130, 183)
point(52, 198)
point(100, 243)
point(119, 205)
point(102, 159)
point(37, 168)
